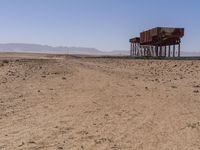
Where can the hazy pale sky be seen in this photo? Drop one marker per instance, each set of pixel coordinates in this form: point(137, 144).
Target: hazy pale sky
point(102, 24)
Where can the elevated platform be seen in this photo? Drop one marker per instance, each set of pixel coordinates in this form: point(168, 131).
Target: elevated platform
point(157, 42)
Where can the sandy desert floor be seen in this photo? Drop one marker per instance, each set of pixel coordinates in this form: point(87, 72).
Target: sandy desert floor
point(62, 102)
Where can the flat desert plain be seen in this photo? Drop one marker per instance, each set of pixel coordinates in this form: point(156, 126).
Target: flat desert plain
point(55, 102)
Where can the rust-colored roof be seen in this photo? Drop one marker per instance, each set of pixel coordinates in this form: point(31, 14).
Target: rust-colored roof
point(135, 40)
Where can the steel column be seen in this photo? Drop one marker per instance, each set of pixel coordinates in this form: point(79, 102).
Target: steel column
point(169, 51)
point(174, 48)
point(179, 50)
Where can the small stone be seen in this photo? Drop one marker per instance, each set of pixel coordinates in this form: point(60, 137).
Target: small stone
point(174, 87)
point(21, 144)
point(196, 91)
point(196, 86)
point(106, 115)
point(60, 147)
point(64, 78)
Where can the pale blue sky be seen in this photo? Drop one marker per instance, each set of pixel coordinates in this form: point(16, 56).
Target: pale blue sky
point(102, 24)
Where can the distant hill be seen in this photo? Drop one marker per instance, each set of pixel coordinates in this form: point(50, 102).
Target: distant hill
point(37, 48)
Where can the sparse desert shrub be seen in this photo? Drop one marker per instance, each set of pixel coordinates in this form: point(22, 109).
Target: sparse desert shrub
point(193, 125)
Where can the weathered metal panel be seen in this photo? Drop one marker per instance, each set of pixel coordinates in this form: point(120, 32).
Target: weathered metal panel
point(161, 36)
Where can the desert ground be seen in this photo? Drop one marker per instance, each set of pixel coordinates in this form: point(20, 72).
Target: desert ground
point(55, 102)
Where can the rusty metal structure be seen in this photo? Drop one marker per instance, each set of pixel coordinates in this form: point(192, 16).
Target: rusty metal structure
point(157, 42)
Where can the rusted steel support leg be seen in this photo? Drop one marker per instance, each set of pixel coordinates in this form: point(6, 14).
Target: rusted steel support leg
point(156, 49)
point(151, 51)
point(160, 51)
point(146, 54)
point(142, 51)
point(174, 48)
point(130, 49)
point(169, 51)
point(136, 49)
point(135, 52)
point(179, 50)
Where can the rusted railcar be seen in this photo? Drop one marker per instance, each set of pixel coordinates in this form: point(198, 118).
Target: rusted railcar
point(157, 42)
point(161, 36)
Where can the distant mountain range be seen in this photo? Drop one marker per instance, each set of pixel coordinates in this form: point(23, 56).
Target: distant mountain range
point(37, 48)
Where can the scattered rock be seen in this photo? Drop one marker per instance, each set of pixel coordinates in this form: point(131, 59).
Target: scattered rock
point(32, 142)
point(64, 78)
point(20, 96)
point(196, 91)
point(196, 86)
point(102, 140)
point(4, 80)
point(21, 144)
point(60, 147)
point(106, 115)
point(174, 87)
point(5, 61)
